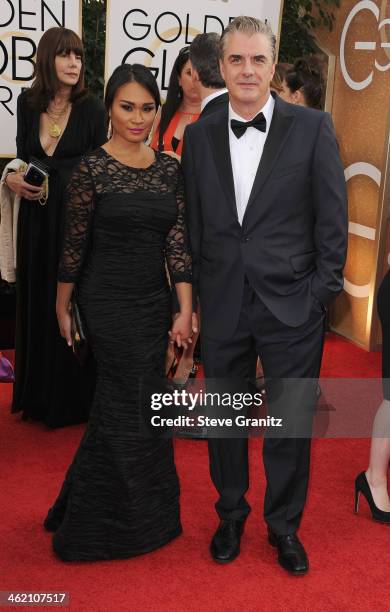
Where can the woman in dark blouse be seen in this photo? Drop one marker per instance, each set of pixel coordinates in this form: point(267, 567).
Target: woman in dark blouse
point(57, 123)
point(125, 223)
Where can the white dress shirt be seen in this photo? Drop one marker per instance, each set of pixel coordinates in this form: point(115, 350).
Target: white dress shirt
point(245, 154)
point(211, 96)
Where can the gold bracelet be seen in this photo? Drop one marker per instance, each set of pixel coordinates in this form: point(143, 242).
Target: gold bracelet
point(45, 192)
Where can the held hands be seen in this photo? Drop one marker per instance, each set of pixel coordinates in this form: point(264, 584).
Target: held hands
point(64, 323)
point(184, 325)
point(15, 181)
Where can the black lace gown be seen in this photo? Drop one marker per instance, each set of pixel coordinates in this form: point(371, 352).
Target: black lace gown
point(120, 497)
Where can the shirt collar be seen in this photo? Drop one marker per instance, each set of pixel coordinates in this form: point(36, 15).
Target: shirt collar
point(210, 97)
point(267, 111)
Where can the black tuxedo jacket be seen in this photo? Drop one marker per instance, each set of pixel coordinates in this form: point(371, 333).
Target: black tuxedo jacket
point(216, 104)
point(293, 239)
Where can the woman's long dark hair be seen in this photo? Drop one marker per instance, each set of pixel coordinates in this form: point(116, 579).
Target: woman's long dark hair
point(45, 85)
point(307, 75)
point(174, 94)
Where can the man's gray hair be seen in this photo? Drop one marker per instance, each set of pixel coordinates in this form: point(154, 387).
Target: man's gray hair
point(250, 26)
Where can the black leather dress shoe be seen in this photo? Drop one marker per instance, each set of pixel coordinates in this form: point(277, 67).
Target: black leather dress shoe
point(225, 545)
point(291, 554)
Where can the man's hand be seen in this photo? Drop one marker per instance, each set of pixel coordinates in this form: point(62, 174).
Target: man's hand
point(15, 181)
point(181, 331)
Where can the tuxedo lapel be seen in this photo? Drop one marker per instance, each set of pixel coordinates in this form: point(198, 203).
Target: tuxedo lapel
point(281, 124)
point(219, 136)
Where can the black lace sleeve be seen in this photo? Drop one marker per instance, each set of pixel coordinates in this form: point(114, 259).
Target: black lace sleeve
point(79, 210)
point(177, 246)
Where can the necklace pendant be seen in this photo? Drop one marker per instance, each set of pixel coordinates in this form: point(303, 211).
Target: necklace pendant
point(55, 130)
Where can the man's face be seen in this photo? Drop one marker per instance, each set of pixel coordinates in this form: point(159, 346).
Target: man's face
point(247, 67)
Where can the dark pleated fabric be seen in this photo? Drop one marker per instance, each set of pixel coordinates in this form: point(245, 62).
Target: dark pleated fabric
point(120, 497)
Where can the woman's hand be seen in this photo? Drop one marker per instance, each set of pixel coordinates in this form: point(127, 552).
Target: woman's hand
point(65, 323)
point(195, 323)
point(15, 181)
point(181, 331)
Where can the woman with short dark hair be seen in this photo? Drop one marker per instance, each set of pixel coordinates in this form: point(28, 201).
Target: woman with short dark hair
point(125, 223)
point(57, 123)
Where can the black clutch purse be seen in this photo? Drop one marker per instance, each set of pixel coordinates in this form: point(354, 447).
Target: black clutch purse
point(78, 331)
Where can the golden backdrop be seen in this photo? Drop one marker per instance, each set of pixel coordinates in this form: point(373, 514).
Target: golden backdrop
point(359, 100)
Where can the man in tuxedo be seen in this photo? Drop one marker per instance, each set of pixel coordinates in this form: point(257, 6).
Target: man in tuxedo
point(267, 215)
point(206, 75)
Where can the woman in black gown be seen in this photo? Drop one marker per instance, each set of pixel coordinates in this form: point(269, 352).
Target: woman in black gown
point(125, 218)
point(57, 123)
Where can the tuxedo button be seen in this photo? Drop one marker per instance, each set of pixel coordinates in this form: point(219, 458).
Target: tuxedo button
point(246, 239)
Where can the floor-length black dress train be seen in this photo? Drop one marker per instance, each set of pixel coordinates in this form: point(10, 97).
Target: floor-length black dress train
point(121, 494)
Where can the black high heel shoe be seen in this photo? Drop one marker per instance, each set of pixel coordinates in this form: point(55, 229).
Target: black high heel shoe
point(362, 486)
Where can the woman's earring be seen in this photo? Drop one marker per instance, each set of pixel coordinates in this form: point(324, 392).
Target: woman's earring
point(109, 130)
point(156, 119)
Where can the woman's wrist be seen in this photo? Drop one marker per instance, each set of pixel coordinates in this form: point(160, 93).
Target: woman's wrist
point(186, 310)
point(62, 307)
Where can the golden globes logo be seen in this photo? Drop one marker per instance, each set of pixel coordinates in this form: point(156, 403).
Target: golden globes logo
point(359, 88)
point(363, 45)
point(167, 28)
point(18, 48)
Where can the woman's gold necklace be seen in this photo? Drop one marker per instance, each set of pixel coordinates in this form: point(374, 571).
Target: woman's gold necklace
point(55, 130)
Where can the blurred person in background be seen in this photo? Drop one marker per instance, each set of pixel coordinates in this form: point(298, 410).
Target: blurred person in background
point(182, 106)
point(57, 123)
point(373, 483)
point(305, 83)
point(279, 76)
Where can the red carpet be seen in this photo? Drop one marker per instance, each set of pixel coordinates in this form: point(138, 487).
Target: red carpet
point(349, 554)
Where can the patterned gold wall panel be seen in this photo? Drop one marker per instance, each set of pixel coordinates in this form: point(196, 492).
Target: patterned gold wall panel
point(360, 106)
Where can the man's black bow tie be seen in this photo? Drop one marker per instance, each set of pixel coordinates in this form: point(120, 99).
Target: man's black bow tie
point(239, 127)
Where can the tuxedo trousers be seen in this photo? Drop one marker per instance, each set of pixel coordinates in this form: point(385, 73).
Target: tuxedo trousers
point(285, 353)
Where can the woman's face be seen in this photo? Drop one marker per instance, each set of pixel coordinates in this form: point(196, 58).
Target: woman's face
point(286, 93)
point(132, 113)
point(187, 85)
point(294, 97)
point(68, 68)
